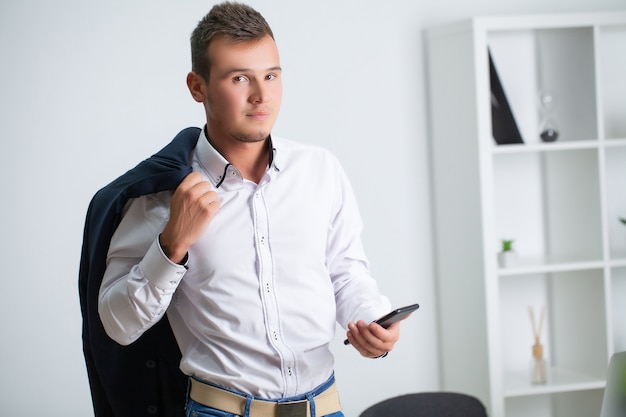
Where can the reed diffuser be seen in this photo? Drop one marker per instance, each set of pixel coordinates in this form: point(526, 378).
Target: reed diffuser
point(538, 366)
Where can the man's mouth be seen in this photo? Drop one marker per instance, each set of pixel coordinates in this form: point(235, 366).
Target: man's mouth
point(259, 115)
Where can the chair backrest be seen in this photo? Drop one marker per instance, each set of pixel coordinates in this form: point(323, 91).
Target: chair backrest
point(614, 401)
point(428, 404)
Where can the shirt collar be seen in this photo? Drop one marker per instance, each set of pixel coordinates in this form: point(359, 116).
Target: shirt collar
point(219, 169)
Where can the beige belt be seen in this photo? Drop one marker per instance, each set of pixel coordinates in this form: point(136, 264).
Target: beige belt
point(326, 402)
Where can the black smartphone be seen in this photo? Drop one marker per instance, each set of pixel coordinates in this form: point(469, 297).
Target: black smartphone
point(393, 316)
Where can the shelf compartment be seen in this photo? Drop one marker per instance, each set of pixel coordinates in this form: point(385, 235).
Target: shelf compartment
point(574, 304)
point(578, 319)
point(612, 67)
point(517, 385)
point(574, 403)
point(560, 61)
point(615, 169)
point(549, 204)
point(618, 313)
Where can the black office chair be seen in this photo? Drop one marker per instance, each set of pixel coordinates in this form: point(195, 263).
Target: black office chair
point(428, 404)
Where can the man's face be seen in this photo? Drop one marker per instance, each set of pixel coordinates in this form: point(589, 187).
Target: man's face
point(244, 89)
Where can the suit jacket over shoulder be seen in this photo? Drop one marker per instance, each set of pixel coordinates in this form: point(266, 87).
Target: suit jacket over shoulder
point(142, 379)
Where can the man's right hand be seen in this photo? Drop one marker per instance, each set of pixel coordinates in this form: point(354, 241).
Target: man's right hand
point(193, 205)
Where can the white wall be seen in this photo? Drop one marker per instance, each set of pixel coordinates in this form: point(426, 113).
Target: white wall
point(89, 88)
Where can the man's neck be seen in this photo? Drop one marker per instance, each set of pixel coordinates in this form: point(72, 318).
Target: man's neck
point(250, 158)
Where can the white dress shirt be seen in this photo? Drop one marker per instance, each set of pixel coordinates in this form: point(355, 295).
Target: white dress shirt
point(254, 309)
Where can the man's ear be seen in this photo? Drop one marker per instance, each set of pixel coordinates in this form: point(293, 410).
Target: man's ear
point(197, 86)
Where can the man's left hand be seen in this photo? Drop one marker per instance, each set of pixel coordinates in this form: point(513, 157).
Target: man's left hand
point(372, 340)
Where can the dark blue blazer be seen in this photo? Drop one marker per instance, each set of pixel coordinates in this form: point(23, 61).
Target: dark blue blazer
point(142, 379)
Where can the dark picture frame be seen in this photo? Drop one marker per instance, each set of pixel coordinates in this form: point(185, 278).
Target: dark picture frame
point(503, 125)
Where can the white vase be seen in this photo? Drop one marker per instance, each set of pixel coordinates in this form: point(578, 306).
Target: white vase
point(507, 259)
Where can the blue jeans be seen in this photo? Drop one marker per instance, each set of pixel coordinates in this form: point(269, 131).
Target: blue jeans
point(195, 409)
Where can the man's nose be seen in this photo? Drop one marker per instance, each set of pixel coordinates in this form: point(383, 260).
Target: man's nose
point(260, 93)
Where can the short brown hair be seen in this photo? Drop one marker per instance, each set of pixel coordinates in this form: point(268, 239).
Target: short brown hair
point(233, 21)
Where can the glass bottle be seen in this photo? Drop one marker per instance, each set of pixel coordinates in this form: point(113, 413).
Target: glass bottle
point(538, 366)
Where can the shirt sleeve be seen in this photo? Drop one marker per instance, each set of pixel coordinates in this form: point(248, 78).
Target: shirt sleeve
point(357, 295)
point(139, 280)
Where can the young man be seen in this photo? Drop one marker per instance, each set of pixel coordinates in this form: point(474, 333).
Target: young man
point(256, 254)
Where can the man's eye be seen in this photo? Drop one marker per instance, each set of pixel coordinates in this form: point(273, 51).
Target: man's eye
point(239, 79)
point(270, 77)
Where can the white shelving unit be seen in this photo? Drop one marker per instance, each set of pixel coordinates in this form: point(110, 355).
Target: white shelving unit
point(559, 201)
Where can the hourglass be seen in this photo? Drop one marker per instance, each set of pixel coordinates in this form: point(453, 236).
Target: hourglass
point(547, 101)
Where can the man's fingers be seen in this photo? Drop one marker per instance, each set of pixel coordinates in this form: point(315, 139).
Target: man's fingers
point(189, 181)
point(365, 341)
point(193, 186)
point(192, 208)
point(388, 335)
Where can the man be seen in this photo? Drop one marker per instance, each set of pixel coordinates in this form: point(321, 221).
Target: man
point(256, 254)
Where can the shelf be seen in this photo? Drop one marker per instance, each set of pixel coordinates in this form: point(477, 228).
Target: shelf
point(615, 142)
point(617, 263)
point(543, 267)
point(559, 201)
point(517, 385)
point(545, 147)
point(557, 146)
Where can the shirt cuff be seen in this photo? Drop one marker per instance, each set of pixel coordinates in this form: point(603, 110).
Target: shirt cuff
point(157, 268)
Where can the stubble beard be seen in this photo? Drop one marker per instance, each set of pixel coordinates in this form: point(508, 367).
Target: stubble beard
point(251, 137)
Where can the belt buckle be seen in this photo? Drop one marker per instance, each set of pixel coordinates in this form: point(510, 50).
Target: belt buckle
point(292, 409)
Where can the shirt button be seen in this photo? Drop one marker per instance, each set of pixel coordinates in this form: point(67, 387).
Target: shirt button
point(150, 364)
point(152, 409)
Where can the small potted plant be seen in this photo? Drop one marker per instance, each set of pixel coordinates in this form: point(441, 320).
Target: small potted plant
point(506, 256)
